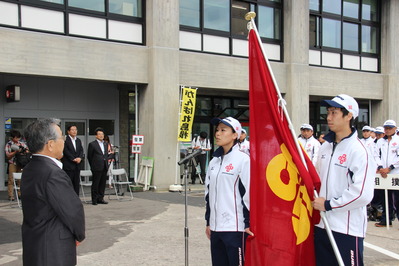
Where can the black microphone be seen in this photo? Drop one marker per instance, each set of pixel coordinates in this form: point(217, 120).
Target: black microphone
point(189, 157)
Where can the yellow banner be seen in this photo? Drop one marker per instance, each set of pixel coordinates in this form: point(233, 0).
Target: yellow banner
point(187, 114)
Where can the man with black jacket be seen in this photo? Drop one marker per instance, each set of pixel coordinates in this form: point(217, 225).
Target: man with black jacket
point(97, 155)
point(73, 156)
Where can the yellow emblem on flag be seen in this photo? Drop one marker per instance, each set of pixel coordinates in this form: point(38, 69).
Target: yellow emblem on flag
point(286, 183)
point(187, 114)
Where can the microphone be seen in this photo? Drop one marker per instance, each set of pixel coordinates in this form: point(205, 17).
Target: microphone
point(189, 157)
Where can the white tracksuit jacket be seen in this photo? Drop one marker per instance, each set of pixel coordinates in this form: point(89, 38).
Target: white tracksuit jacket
point(311, 146)
point(227, 191)
point(347, 175)
point(386, 154)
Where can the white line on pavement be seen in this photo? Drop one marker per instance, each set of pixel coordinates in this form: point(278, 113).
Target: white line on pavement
point(381, 250)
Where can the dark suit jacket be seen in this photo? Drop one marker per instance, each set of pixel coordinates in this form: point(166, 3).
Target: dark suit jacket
point(53, 215)
point(70, 154)
point(97, 160)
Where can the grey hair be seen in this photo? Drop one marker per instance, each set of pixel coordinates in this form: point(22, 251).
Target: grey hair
point(39, 132)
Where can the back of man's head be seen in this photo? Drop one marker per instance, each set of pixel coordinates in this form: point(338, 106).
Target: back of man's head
point(39, 132)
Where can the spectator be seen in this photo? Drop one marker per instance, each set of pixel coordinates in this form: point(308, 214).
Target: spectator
point(73, 156)
point(243, 142)
point(386, 155)
point(14, 146)
point(97, 155)
point(201, 142)
point(309, 143)
point(53, 216)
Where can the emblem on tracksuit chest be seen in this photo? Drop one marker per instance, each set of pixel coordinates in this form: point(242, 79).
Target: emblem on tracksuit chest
point(229, 168)
point(342, 158)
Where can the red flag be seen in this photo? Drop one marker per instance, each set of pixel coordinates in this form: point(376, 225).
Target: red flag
point(281, 186)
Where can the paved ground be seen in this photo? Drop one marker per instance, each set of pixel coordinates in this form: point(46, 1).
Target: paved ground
point(149, 230)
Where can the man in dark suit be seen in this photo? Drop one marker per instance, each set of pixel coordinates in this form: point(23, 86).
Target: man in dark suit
point(73, 155)
point(97, 155)
point(53, 216)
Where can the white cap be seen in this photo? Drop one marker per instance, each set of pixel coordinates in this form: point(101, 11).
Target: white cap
point(372, 129)
point(343, 101)
point(389, 123)
point(243, 131)
point(366, 128)
point(306, 126)
point(229, 121)
point(379, 130)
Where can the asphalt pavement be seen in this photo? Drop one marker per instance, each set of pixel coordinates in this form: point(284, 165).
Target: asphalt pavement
point(149, 230)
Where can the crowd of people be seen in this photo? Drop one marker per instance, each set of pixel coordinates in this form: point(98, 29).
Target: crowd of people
point(53, 216)
point(347, 168)
point(346, 165)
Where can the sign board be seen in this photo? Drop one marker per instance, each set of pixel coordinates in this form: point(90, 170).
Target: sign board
point(136, 149)
point(391, 182)
point(137, 140)
point(13, 93)
point(187, 110)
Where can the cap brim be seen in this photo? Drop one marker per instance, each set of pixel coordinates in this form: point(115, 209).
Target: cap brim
point(215, 121)
point(391, 126)
point(330, 103)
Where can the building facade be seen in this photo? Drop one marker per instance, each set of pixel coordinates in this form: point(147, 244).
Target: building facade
point(119, 64)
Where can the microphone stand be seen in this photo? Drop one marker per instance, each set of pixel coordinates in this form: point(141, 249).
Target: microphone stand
point(186, 235)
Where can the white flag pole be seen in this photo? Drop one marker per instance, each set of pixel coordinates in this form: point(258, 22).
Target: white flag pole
point(281, 102)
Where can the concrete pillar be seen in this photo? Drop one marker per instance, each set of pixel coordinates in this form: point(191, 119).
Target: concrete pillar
point(296, 57)
point(159, 102)
point(389, 60)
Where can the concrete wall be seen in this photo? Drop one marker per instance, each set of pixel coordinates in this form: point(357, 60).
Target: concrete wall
point(34, 53)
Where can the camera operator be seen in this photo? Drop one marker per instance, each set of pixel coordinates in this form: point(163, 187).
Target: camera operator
point(13, 147)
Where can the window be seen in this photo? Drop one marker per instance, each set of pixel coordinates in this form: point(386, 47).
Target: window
point(344, 34)
point(126, 7)
point(238, 22)
point(95, 5)
point(269, 26)
point(351, 8)
point(190, 13)
point(219, 26)
point(331, 33)
point(217, 14)
point(116, 20)
point(332, 6)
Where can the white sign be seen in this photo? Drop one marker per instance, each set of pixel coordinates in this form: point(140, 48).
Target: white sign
point(136, 149)
point(137, 139)
point(391, 182)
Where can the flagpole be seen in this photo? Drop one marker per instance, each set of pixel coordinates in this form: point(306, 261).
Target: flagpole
point(281, 102)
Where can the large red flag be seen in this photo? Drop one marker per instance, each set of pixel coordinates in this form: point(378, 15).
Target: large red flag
point(281, 185)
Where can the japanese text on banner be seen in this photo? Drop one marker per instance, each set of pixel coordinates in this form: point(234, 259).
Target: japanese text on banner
point(187, 114)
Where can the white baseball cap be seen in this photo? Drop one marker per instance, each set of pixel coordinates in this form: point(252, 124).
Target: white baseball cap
point(379, 130)
point(306, 126)
point(366, 128)
point(343, 101)
point(229, 121)
point(389, 123)
point(243, 131)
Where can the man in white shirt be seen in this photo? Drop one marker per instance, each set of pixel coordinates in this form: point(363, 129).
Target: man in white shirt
point(386, 155)
point(243, 143)
point(367, 140)
point(200, 142)
point(309, 143)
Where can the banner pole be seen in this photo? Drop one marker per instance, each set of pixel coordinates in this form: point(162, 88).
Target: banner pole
point(250, 16)
point(176, 186)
